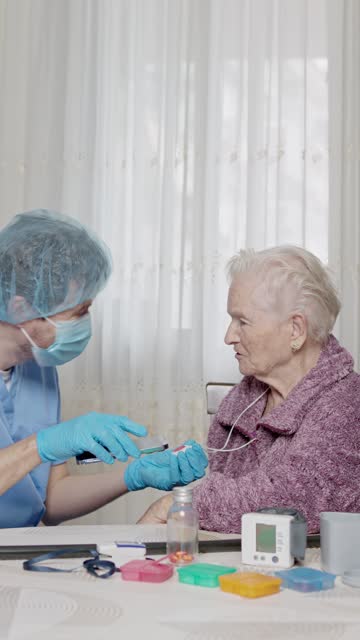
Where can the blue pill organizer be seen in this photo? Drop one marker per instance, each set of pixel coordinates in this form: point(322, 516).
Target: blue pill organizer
point(305, 579)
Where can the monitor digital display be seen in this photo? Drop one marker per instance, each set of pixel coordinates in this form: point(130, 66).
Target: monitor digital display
point(265, 538)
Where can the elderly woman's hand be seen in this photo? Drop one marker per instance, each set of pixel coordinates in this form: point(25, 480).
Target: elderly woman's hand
point(157, 512)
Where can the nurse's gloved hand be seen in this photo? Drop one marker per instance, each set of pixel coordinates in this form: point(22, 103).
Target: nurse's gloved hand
point(192, 462)
point(166, 470)
point(92, 432)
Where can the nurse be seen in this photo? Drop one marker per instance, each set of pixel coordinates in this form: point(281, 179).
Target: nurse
point(51, 269)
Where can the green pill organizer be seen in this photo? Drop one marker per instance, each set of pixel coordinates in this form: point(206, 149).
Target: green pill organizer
point(203, 575)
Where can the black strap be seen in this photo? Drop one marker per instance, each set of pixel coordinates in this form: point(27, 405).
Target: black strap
point(94, 566)
point(98, 568)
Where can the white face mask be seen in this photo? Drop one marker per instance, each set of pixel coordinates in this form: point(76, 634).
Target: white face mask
point(72, 336)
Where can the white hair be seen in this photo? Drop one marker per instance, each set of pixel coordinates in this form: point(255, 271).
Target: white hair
point(313, 292)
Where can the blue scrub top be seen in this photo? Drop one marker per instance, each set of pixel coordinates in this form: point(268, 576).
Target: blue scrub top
point(31, 403)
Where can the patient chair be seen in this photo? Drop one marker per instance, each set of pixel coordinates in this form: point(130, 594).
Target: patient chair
point(215, 393)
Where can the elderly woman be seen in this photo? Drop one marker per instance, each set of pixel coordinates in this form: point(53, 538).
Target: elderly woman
point(289, 434)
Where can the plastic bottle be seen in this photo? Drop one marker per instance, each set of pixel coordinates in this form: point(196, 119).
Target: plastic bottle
point(182, 527)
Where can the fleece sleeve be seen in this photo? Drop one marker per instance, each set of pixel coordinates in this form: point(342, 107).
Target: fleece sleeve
point(314, 470)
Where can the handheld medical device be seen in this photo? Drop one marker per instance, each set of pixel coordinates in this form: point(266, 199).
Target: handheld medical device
point(147, 444)
point(273, 537)
point(120, 552)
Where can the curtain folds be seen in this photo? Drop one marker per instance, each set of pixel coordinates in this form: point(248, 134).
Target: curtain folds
point(344, 165)
point(180, 131)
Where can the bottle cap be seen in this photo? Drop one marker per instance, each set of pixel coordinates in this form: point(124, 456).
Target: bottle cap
point(182, 494)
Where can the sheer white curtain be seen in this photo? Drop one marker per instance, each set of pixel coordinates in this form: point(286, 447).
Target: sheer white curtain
point(180, 130)
point(344, 167)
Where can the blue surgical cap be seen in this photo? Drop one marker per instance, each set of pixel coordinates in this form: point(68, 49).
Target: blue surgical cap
point(48, 263)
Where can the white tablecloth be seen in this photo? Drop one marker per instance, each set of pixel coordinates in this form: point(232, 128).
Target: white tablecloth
point(58, 606)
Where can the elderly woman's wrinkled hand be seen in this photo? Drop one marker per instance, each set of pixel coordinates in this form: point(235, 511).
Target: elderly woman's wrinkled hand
point(157, 512)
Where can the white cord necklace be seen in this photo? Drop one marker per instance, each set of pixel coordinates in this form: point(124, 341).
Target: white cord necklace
point(223, 450)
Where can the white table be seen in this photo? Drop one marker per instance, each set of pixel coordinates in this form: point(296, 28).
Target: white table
point(59, 606)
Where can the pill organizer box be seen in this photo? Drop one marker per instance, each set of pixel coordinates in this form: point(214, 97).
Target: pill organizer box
point(305, 579)
point(250, 584)
point(202, 574)
point(146, 571)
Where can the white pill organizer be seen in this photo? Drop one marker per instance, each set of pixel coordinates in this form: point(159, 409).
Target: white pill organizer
point(273, 538)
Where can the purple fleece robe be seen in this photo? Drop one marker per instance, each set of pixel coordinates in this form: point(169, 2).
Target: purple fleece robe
point(307, 451)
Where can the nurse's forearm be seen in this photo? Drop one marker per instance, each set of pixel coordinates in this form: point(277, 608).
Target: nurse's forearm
point(74, 496)
point(16, 461)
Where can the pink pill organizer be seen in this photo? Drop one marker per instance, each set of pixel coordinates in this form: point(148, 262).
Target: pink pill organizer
point(146, 571)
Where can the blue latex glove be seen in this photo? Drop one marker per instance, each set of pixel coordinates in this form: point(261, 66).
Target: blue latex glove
point(91, 432)
point(166, 470)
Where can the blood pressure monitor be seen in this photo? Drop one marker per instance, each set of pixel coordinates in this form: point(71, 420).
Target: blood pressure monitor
point(273, 537)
